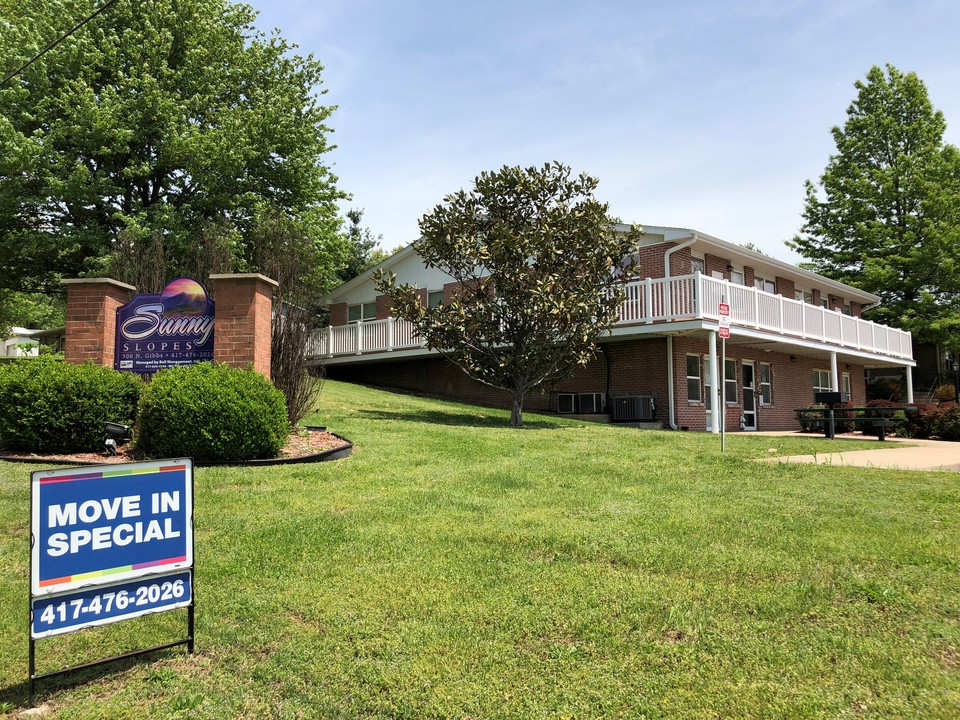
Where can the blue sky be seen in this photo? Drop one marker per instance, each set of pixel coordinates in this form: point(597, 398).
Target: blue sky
point(707, 115)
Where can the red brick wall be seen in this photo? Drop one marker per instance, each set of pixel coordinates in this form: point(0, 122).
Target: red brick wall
point(338, 314)
point(785, 287)
point(716, 264)
point(384, 307)
point(244, 318)
point(92, 319)
point(651, 261)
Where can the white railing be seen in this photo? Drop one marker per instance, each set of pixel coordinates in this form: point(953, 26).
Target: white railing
point(690, 297)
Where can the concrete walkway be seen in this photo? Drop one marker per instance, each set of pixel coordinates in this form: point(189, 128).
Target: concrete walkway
point(894, 453)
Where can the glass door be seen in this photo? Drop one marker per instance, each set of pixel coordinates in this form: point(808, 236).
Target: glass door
point(749, 396)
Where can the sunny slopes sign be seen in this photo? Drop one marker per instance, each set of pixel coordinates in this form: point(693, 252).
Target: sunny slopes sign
point(167, 329)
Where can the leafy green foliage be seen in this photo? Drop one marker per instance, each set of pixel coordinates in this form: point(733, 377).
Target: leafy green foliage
point(158, 119)
point(361, 245)
point(540, 266)
point(49, 406)
point(885, 216)
point(212, 412)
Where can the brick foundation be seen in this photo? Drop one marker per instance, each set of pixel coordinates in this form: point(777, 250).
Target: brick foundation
point(633, 367)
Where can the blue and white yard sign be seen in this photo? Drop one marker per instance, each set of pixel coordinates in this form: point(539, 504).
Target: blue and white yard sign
point(109, 542)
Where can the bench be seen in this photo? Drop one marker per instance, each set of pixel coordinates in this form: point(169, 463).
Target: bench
point(872, 417)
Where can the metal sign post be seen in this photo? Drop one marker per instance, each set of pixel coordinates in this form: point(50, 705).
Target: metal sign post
point(109, 543)
point(724, 334)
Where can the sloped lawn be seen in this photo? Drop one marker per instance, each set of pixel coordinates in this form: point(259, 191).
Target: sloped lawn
point(455, 568)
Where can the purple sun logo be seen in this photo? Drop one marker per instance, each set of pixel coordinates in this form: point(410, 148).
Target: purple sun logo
point(183, 296)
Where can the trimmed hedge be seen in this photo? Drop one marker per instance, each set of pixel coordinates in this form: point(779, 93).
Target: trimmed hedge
point(49, 406)
point(212, 412)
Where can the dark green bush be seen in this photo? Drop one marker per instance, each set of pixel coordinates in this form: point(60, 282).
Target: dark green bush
point(212, 412)
point(869, 428)
point(945, 423)
point(814, 419)
point(49, 406)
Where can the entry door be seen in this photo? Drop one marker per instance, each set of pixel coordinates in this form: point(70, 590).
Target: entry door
point(749, 396)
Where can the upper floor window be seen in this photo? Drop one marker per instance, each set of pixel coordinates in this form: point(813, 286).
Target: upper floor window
point(362, 313)
point(736, 277)
point(803, 296)
point(435, 298)
point(847, 309)
point(766, 285)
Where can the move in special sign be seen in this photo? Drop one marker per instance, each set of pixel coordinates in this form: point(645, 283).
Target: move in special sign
point(105, 524)
point(166, 329)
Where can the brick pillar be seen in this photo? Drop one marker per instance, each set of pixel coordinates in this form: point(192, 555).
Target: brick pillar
point(91, 332)
point(244, 313)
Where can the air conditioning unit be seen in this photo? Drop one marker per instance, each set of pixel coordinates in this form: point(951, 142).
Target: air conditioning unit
point(633, 408)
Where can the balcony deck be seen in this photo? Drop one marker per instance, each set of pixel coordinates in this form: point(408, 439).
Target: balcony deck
point(664, 301)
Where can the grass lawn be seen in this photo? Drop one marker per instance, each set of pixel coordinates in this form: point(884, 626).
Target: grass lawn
point(456, 568)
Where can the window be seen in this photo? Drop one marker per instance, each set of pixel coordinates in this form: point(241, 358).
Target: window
point(847, 309)
point(730, 381)
point(803, 296)
point(766, 285)
point(766, 384)
point(697, 265)
point(582, 403)
point(822, 381)
point(736, 277)
point(435, 299)
point(362, 313)
point(693, 378)
point(824, 302)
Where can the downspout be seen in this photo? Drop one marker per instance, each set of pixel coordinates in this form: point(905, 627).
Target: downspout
point(671, 413)
point(671, 251)
point(671, 402)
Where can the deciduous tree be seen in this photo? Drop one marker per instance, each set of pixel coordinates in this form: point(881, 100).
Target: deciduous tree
point(162, 118)
point(885, 216)
point(541, 268)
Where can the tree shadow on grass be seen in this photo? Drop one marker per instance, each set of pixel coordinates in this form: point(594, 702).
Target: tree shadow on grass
point(436, 417)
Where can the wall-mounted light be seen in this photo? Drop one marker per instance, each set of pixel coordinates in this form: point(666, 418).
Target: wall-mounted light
point(793, 358)
point(729, 267)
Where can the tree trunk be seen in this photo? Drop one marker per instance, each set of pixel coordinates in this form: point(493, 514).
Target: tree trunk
point(516, 416)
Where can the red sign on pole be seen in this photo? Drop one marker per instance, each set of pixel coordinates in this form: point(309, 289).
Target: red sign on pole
point(724, 320)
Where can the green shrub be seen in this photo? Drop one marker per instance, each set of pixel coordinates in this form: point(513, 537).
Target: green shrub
point(869, 428)
point(49, 406)
point(945, 423)
point(814, 418)
point(212, 412)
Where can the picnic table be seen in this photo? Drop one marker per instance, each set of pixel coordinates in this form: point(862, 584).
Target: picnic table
point(878, 416)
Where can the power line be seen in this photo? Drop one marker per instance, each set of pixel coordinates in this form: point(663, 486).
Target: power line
point(56, 42)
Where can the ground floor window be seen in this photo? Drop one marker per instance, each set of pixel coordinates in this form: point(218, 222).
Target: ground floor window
point(766, 384)
point(730, 381)
point(693, 378)
point(822, 381)
point(435, 298)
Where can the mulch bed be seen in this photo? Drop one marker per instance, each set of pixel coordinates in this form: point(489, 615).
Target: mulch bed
point(301, 444)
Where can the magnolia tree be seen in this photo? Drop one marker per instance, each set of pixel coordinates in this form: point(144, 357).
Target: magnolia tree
point(540, 270)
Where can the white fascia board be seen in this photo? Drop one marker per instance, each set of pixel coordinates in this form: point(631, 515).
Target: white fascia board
point(755, 259)
point(335, 295)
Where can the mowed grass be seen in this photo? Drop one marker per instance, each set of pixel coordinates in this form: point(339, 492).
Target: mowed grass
point(456, 568)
